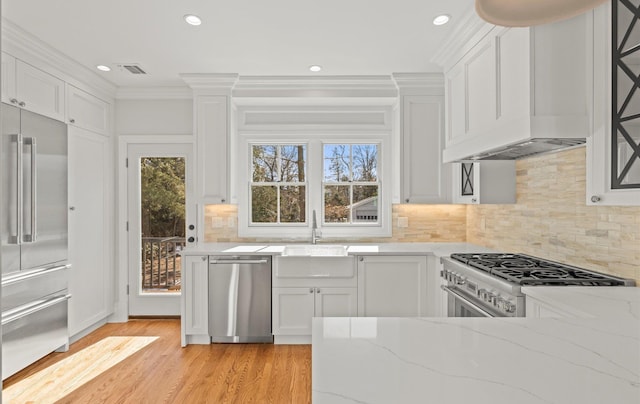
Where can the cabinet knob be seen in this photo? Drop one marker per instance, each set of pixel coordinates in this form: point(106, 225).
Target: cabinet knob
point(203, 258)
point(407, 200)
point(310, 290)
point(191, 227)
point(318, 290)
point(13, 101)
point(474, 200)
point(191, 239)
point(223, 200)
point(71, 120)
point(361, 259)
point(72, 208)
point(595, 199)
point(22, 103)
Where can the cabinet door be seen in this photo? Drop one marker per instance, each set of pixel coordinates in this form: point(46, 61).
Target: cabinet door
point(90, 229)
point(392, 286)
point(8, 79)
point(336, 302)
point(40, 92)
point(86, 111)
point(538, 309)
point(512, 49)
point(425, 179)
point(212, 138)
point(602, 166)
point(293, 309)
point(196, 295)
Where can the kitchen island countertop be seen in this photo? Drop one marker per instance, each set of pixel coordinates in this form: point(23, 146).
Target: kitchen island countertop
point(475, 360)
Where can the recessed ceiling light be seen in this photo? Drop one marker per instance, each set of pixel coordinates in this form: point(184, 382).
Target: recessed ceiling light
point(315, 68)
point(103, 68)
point(441, 19)
point(192, 19)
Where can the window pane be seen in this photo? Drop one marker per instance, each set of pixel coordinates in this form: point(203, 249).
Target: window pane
point(264, 204)
point(292, 204)
point(264, 163)
point(365, 203)
point(336, 163)
point(292, 163)
point(336, 204)
point(365, 162)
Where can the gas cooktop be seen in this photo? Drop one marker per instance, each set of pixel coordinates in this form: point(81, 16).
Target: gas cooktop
point(526, 270)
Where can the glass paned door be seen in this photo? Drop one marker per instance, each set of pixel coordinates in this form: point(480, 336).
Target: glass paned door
point(160, 182)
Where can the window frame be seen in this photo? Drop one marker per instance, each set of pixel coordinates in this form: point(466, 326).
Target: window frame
point(314, 186)
point(278, 184)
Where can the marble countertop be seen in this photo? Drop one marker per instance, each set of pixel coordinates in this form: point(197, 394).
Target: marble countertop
point(437, 249)
point(475, 360)
point(586, 302)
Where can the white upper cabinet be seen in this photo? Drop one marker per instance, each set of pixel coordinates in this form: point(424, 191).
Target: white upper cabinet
point(424, 178)
point(613, 164)
point(213, 141)
point(513, 85)
point(87, 111)
point(30, 88)
point(490, 181)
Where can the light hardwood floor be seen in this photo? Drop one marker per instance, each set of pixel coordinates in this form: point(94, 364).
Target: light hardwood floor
point(163, 372)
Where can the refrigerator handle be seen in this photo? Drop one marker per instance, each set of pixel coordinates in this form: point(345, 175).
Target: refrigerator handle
point(17, 238)
point(32, 142)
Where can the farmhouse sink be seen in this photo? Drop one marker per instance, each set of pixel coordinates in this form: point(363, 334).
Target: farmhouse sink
point(314, 250)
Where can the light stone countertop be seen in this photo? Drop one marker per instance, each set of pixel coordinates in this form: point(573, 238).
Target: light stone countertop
point(437, 249)
point(475, 360)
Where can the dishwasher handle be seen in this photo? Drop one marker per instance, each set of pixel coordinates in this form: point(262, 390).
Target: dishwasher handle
point(238, 261)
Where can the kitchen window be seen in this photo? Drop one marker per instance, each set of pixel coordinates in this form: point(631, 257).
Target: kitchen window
point(278, 184)
point(287, 178)
point(350, 185)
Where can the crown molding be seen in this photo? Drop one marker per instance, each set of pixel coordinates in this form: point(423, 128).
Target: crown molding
point(315, 86)
point(25, 46)
point(470, 29)
point(204, 81)
point(422, 80)
point(154, 93)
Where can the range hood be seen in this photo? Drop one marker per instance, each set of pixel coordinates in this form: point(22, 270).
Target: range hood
point(527, 148)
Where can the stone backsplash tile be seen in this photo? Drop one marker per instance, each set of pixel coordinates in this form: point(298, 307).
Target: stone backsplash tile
point(552, 220)
point(424, 223)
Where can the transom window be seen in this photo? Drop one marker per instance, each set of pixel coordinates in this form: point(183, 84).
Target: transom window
point(278, 183)
point(350, 184)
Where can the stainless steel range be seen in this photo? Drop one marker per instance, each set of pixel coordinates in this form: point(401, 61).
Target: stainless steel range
point(488, 285)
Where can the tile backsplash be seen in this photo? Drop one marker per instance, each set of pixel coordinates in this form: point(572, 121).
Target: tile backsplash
point(411, 223)
point(549, 220)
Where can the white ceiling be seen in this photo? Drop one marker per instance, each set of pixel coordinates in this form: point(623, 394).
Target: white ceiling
point(249, 37)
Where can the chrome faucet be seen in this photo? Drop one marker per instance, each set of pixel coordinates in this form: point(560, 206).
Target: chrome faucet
point(314, 229)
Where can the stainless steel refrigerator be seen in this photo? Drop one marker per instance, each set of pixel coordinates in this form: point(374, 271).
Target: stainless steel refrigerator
point(33, 230)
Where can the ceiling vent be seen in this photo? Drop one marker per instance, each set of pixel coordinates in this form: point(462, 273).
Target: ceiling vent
point(132, 68)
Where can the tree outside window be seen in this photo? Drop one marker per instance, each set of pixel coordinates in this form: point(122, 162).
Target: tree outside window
point(278, 184)
point(350, 184)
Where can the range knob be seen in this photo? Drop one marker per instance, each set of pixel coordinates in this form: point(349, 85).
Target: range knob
point(460, 280)
point(490, 298)
point(509, 307)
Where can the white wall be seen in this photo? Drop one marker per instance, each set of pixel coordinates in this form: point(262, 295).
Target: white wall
point(154, 117)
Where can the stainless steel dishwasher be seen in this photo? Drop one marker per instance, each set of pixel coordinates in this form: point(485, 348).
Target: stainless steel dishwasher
point(240, 299)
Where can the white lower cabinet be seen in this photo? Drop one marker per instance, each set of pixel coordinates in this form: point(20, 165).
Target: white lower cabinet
point(539, 309)
point(294, 308)
point(392, 286)
point(195, 313)
point(307, 287)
